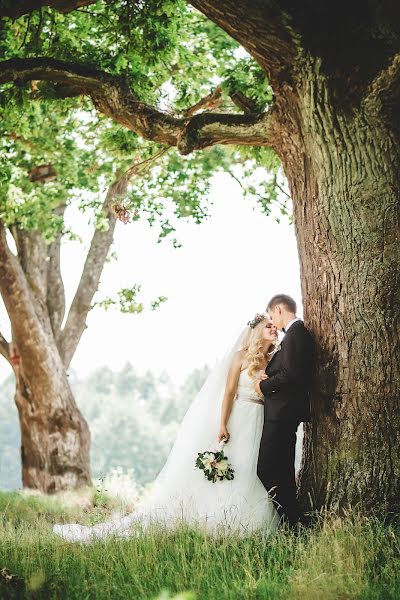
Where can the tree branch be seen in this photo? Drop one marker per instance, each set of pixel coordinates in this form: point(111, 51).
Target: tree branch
point(262, 28)
point(207, 129)
point(32, 255)
point(32, 252)
point(247, 105)
point(384, 90)
point(101, 242)
point(28, 334)
point(17, 9)
point(5, 348)
point(55, 286)
point(208, 102)
point(215, 99)
point(112, 96)
point(75, 325)
point(280, 188)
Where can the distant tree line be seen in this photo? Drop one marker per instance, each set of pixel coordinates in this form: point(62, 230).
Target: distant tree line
point(132, 418)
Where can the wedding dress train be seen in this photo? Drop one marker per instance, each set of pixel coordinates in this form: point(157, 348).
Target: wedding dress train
point(182, 494)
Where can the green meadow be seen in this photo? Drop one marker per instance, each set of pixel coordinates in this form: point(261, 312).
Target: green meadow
point(348, 557)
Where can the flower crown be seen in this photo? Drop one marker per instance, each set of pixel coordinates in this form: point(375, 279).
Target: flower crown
point(257, 319)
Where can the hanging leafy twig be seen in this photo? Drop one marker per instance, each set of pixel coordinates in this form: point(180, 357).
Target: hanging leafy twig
point(119, 187)
point(262, 199)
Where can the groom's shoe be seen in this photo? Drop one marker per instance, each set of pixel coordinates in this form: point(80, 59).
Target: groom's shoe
point(301, 526)
point(306, 521)
point(295, 525)
point(286, 524)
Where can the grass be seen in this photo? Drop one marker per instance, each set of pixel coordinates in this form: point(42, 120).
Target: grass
point(339, 559)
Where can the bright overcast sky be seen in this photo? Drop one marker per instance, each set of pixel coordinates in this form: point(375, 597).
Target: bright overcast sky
point(226, 271)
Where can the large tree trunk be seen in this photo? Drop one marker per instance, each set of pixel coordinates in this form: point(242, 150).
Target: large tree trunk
point(55, 438)
point(343, 168)
point(337, 90)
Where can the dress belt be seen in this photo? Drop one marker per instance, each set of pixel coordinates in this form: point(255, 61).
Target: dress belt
point(253, 400)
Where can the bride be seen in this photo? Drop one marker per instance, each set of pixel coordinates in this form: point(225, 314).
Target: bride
point(226, 408)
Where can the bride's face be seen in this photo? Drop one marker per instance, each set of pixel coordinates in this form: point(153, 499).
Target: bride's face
point(270, 333)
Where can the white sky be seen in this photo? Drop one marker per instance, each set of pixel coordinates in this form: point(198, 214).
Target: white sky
point(226, 271)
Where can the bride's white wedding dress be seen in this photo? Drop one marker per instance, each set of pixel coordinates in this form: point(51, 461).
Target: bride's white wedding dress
point(182, 494)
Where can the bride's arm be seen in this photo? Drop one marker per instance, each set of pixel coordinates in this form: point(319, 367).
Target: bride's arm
point(230, 392)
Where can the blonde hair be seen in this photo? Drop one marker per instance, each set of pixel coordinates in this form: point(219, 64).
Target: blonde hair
point(253, 348)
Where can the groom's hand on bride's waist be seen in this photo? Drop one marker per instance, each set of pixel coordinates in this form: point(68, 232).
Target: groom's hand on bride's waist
point(260, 377)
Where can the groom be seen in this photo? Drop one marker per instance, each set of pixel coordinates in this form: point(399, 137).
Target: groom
point(285, 386)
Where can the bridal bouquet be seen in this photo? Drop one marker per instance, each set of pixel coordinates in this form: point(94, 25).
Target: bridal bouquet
point(215, 465)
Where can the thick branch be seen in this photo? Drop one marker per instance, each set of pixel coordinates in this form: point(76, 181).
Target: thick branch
point(208, 129)
point(247, 105)
point(55, 284)
point(76, 321)
point(32, 251)
point(262, 28)
point(19, 302)
point(112, 96)
point(32, 256)
point(207, 103)
point(17, 9)
point(101, 242)
point(384, 91)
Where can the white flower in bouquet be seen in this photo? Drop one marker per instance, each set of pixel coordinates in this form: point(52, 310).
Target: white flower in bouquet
point(222, 465)
point(208, 461)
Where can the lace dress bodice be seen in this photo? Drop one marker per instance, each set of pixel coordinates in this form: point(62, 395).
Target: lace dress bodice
point(245, 390)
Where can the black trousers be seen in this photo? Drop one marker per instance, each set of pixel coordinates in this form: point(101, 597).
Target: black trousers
point(276, 467)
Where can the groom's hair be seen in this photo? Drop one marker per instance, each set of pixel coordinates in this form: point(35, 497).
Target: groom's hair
point(287, 302)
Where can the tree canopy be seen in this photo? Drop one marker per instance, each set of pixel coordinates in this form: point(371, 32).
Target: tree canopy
point(173, 63)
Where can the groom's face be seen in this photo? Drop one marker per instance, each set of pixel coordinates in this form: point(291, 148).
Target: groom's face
point(275, 314)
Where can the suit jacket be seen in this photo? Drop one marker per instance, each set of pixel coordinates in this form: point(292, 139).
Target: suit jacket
point(290, 373)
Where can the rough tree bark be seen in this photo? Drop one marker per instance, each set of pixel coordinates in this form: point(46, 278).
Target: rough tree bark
point(55, 437)
point(337, 88)
point(346, 202)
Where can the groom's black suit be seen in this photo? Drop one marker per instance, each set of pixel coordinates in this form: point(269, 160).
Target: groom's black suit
point(286, 405)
